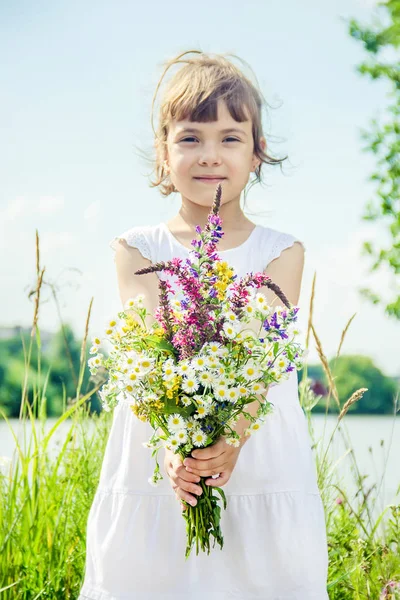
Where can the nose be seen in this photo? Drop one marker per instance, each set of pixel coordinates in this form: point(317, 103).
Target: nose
point(209, 155)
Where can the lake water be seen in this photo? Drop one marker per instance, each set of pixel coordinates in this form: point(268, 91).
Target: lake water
point(374, 439)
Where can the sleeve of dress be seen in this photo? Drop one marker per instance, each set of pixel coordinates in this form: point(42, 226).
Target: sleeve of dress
point(136, 238)
point(281, 242)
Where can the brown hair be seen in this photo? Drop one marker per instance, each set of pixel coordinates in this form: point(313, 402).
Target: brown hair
point(193, 94)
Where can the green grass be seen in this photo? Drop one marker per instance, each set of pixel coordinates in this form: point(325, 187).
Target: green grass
point(45, 496)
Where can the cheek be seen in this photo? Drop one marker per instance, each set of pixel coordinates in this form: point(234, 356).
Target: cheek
point(181, 162)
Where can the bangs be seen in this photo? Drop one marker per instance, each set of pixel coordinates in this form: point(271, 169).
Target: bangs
point(200, 105)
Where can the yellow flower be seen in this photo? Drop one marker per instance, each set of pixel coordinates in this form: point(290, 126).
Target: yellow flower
point(159, 331)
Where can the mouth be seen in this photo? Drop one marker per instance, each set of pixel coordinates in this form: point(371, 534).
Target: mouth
point(210, 179)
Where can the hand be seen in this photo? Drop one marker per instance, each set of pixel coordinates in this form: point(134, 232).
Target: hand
point(182, 481)
point(220, 458)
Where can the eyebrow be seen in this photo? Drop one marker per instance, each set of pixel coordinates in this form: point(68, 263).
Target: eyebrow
point(227, 130)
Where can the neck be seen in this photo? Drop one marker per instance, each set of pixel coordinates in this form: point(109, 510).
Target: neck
point(191, 214)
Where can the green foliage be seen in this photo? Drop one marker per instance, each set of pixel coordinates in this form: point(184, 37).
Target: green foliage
point(60, 363)
point(352, 372)
point(382, 41)
point(44, 505)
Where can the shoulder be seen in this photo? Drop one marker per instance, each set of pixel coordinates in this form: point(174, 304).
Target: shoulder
point(284, 260)
point(283, 245)
point(139, 238)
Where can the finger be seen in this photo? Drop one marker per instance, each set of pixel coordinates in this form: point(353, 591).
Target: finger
point(211, 463)
point(183, 495)
point(184, 474)
point(205, 465)
point(219, 481)
point(212, 451)
point(204, 472)
point(197, 490)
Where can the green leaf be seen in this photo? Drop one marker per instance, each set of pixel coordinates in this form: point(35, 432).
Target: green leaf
point(222, 494)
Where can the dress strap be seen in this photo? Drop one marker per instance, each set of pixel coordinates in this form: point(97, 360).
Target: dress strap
point(137, 237)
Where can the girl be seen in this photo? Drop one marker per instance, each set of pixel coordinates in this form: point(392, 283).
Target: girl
point(275, 545)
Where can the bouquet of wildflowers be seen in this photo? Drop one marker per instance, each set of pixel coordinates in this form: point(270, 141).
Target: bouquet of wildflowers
point(194, 371)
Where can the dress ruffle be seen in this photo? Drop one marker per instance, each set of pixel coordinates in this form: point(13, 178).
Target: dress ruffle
point(272, 542)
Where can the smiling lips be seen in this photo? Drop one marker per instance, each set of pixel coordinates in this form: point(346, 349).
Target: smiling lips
point(209, 179)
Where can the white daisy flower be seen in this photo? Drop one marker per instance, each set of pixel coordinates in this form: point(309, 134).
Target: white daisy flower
point(183, 367)
point(221, 393)
point(230, 317)
point(233, 442)
point(257, 387)
point(168, 380)
point(95, 362)
point(250, 371)
point(181, 436)
point(145, 364)
point(132, 378)
point(199, 363)
point(169, 367)
point(131, 358)
point(202, 411)
point(249, 310)
point(260, 299)
point(232, 394)
point(198, 438)
point(223, 381)
point(243, 391)
point(265, 309)
point(96, 344)
point(175, 422)
point(205, 378)
point(173, 443)
point(256, 425)
point(190, 384)
point(186, 400)
point(214, 348)
point(190, 424)
point(281, 363)
point(134, 302)
point(212, 362)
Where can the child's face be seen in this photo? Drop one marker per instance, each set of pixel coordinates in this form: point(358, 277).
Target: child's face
point(209, 151)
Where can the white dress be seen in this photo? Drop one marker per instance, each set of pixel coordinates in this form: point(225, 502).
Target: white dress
point(275, 545)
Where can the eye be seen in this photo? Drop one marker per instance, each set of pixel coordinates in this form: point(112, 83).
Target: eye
point(193, 138)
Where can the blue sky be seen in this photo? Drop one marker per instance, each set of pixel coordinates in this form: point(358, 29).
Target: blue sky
point(76, 98)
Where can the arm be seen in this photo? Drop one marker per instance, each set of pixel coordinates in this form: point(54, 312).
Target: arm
point(127, 261)
point(286, 271)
